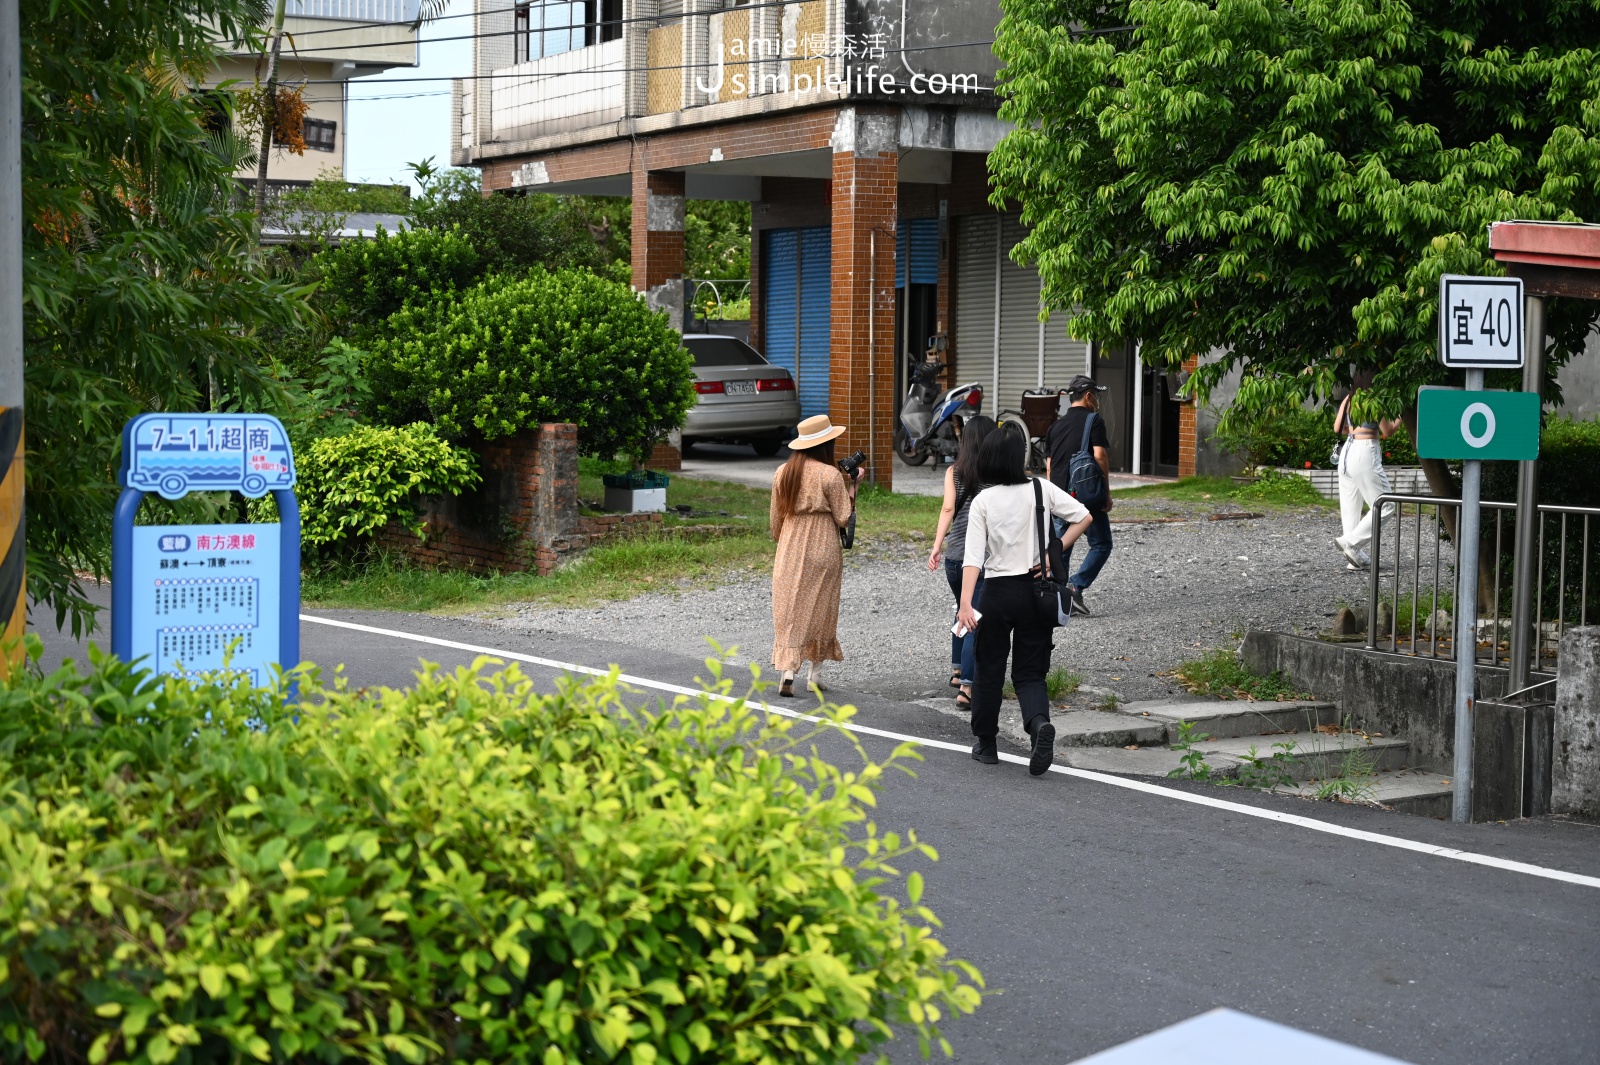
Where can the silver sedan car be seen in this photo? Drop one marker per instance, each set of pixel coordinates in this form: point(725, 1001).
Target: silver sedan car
point(743, 398)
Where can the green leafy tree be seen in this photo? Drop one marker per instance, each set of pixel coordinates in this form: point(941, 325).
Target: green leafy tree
point(512, 352)
point(716, 237)
point(144, 287)
point(1284, 181)
point(511, 232)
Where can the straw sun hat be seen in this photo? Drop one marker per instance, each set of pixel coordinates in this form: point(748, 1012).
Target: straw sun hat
point(815, 430)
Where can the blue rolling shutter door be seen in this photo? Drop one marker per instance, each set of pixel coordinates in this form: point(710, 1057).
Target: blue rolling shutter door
point(816, 320)
point(780, 294)
point(797, 294)
point(917, 240)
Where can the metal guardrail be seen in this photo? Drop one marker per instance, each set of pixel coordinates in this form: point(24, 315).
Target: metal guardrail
point(1412, 587)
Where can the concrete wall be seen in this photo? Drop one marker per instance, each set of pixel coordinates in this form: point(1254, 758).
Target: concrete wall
point(1580, 382)
point(1575, 776)
point(1393, 694)
point(1210, 460)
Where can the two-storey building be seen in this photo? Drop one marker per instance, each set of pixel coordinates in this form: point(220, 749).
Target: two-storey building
point(328, 43)
point(859, 131)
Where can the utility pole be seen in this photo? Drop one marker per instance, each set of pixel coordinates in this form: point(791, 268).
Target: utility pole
point(13, 538)
point(269, 110)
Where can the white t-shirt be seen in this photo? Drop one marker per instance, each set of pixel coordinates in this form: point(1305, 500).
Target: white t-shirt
point(1002, 537)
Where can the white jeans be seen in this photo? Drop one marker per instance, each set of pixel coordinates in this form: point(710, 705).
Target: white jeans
point(1361, 481)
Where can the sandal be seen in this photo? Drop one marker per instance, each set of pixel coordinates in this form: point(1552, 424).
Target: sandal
point(955, 677)
point(963, 700)
point(786, 689)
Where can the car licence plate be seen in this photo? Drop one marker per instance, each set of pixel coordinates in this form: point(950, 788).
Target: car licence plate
point(739, 388)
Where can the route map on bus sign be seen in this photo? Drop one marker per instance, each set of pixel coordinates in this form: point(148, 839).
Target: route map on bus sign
point(199, 588)
point(185, 598)
point(174, 454)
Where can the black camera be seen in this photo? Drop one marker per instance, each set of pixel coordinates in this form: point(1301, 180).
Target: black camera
point(853, 463)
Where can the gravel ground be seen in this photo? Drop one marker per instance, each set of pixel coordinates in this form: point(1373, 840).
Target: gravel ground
point(1169, 592)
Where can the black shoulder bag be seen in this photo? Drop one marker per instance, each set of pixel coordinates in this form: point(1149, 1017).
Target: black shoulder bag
point(1052, 602)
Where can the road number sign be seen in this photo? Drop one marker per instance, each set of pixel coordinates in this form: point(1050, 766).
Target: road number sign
point(1480, 322)
point(1455, 424)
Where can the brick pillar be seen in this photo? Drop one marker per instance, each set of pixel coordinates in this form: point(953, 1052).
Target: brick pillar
point(866, 168)
point(1188, 427)
point(658, 205)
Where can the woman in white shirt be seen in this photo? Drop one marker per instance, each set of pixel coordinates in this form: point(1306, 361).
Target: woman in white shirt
point(1003, 544)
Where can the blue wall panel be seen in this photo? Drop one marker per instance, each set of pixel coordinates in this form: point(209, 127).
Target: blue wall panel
point(816, 320)
point(918, 240)
point(780, 296)
point(797, 296)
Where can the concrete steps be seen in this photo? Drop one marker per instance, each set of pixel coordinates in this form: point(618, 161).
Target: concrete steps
point(1323, 760)
point(1225, 719)
point(1313, 754)
point(1413, 791)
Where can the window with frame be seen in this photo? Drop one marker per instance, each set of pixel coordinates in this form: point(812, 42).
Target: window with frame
point(542, 28)
point(320, 133)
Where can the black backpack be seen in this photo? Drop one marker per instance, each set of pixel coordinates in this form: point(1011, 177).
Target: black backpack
point(1086, 481)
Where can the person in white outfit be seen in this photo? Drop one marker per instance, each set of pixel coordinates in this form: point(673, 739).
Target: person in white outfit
point(1361, 481)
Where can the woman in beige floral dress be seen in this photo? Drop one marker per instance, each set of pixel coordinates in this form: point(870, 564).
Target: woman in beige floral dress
point(811, 501)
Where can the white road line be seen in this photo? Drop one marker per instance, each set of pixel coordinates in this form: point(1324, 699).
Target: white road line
point(1101, 778)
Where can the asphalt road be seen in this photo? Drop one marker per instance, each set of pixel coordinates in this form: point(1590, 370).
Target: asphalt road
point(1098, 913)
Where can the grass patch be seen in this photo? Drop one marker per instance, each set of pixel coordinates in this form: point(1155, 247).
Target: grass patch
point(619, 570)
point(1220, 673)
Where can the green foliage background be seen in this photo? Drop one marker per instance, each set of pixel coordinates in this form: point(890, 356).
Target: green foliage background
point(466, 871)
point(144, 288)
point(1286, 180)
point(352, 484)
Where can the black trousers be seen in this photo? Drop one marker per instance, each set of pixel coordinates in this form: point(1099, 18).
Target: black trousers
point(1009, 628)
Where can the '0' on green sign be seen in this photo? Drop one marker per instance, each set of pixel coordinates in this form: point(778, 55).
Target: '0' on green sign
point(1455, 424)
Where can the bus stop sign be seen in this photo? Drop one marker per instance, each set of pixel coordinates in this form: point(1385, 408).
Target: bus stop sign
point(1457, 424)
point(186, 597)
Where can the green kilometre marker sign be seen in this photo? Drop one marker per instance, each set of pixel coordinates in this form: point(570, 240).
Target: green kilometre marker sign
point(1455, 424)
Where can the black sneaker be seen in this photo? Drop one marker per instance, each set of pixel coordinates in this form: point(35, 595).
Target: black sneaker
point(1078, 605)
point(984, 751)
point(1044, 748)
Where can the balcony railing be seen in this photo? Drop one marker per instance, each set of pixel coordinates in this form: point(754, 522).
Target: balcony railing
point(568, 91)
point(355, 10)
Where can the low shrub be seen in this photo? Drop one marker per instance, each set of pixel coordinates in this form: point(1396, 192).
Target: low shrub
point(1286, 489)
point(351, 485)
point(510, 353)
point(1220, 673)
point(1278, 436)
point(468, 870)
point(1569, 455)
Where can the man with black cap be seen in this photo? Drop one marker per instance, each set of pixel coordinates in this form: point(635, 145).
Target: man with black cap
point(1066, 439)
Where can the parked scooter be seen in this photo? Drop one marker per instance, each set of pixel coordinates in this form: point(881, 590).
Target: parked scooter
point(930, 423)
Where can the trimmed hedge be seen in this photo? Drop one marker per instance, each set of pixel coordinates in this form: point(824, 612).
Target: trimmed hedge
point(467, 871)
point(512, 352)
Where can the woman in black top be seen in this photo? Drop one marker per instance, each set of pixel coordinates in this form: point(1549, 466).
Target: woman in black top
point(961, 486)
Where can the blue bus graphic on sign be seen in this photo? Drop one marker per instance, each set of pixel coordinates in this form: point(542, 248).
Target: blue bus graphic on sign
point(174, 454)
